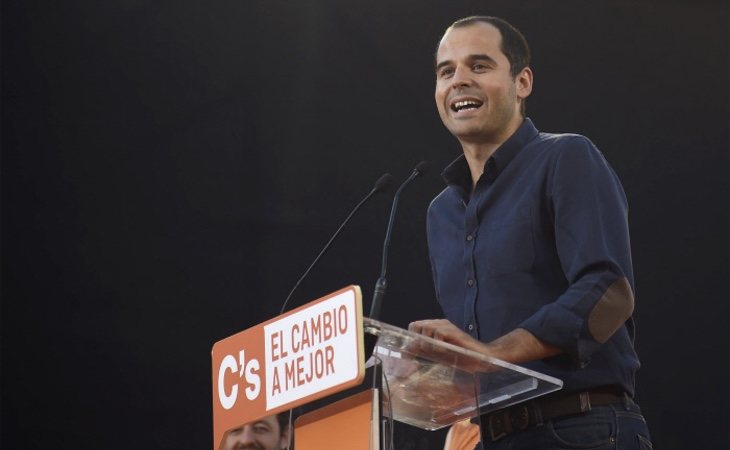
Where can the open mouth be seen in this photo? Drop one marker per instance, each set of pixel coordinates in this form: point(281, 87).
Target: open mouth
point(465, 105)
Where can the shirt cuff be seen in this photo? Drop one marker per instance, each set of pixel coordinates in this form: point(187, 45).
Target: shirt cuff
point(563, 329)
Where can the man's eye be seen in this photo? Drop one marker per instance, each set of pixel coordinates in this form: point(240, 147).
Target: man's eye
point(478, 67)
point(445, 72)
point(261, 429)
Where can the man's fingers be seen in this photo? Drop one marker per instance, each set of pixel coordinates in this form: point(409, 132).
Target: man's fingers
point(438, 329)
point(420, 326)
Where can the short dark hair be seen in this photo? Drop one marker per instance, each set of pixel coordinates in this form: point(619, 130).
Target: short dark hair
point(513, 45)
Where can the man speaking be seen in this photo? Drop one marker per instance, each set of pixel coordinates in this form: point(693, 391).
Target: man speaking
point(529, 248)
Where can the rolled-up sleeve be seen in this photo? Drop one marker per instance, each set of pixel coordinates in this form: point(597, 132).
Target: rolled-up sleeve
point(592, 240)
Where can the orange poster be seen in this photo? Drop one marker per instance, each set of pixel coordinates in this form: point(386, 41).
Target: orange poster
point(305, 354)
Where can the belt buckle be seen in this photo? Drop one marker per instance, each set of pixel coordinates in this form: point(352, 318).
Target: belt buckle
point(521, 419)
point(506, 421)
point(497, 429)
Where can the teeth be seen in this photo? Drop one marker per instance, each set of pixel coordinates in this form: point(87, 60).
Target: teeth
point(465, 104)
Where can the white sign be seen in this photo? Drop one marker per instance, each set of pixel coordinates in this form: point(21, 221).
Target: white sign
point(312, 350)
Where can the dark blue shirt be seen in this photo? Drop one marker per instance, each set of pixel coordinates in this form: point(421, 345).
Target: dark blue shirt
point(541, 244)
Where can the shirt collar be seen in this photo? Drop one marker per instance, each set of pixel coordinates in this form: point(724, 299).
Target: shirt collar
point(458, 171)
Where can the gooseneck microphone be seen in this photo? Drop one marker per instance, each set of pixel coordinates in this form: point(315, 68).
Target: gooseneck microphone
point(380, 185)
point(382, 283)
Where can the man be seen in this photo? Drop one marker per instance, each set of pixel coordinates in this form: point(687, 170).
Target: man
point(530, 252)
point(269, 433)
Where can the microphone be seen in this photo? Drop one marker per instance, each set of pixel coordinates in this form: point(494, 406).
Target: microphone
point(382, 284)
point(380, 185)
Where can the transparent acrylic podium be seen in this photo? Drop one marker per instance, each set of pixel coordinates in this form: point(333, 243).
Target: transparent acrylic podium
point(432, 384)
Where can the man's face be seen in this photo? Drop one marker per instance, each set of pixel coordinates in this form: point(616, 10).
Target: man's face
point(476, 96)
point(263, 434)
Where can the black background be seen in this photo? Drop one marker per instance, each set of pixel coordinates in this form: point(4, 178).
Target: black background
point(169, 168)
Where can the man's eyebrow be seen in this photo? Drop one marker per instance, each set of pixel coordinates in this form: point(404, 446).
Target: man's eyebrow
point(441, 64)
point(473, 57)
point(482, 57)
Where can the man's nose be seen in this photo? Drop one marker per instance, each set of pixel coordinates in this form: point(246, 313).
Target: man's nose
point(462, 77)
point(247, 436)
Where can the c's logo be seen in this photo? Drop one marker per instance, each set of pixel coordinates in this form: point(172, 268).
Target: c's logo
point(247, 371)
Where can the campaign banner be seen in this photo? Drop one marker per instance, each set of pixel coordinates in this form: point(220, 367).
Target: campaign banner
point(305, 354)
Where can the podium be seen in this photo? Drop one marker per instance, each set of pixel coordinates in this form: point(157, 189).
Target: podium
point(431, 384)
point(419, 381)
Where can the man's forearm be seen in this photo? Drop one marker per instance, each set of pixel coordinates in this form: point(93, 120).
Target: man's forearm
point(519, 346)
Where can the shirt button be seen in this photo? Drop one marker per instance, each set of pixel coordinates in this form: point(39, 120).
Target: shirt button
point(470, 282)
point(471, 327)
point(469, 237)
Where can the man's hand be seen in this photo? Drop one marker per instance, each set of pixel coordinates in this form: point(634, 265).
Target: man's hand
point(515, 347)
point(444, 330)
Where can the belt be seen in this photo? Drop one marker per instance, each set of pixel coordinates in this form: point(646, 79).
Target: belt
point(500, 423)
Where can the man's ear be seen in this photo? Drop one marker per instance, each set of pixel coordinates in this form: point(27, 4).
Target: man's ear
point(523, 82)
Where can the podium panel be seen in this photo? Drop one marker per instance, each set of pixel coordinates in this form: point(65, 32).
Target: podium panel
point(298, 357)
point(351, 423)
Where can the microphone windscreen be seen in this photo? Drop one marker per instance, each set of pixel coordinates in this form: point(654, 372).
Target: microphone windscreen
point(383, 182)
point(421, 167)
